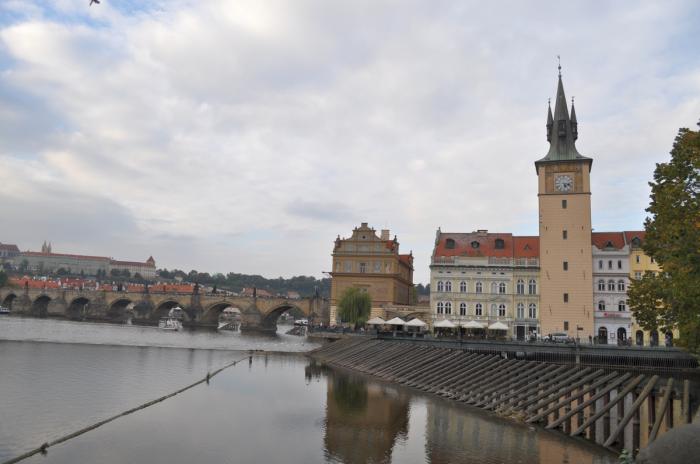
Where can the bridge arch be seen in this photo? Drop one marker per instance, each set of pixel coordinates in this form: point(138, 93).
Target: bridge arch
point(213, 311)
point(164, 307)
point(118, 308)
point(40, 306)
point(269, 319)
point(78, 308)
point(8, 300)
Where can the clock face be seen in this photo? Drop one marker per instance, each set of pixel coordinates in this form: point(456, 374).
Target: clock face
point(564, 183)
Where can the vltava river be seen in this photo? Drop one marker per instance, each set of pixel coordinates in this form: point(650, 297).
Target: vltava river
point(56, 377)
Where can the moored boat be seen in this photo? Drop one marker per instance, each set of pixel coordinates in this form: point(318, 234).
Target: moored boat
point(169, 323)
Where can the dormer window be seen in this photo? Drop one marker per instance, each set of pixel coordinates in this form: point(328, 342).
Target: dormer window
point(609, 244)
point(449, 244)
point(636, 242)
point(500, 244)
point(475, 244)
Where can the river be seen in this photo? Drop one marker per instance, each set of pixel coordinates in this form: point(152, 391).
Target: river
point(279, 407)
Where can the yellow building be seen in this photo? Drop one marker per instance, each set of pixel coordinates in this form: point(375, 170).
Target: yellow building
point(372, 263)
point(564, 193)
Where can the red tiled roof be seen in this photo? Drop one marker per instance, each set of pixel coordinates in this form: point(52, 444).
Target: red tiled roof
point(407, 260)
point(62, 255)
point(132, 263)
point(526, 247)
point(486, 245)
point(604, 240)
point(8, 247)
point(631, 234)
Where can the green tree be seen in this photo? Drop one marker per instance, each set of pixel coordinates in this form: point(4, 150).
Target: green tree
point(671, 299)
point(3, 278)
point(354, 306)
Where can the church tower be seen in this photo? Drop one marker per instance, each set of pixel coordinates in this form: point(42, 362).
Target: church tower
point(566, 293)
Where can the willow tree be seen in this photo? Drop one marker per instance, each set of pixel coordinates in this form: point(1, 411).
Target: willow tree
point(671, 298)
point(354, 306)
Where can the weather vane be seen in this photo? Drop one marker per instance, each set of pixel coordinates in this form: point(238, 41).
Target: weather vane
point(559, 60)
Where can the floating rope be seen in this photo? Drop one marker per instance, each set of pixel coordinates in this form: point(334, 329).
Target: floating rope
point(42, 449)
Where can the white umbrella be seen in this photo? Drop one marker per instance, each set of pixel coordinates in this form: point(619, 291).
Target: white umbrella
point(498, 326)
point(415, 323)
point(396, 321)
point(473, 325)
point(376, 321)
point(445, 324)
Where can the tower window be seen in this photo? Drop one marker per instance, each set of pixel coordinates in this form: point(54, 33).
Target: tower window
point(566, 297)
point(564, 234)
point(566, 265)
point(563, 204)
point(562, 128)
point(566, 325)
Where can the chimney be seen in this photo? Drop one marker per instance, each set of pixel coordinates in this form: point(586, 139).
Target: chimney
point(385, 234)
point(364, 224)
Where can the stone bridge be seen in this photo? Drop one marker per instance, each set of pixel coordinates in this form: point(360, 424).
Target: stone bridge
point(257, 314)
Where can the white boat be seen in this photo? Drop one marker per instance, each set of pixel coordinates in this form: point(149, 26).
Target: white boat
point(4, 310)
point(169, 323)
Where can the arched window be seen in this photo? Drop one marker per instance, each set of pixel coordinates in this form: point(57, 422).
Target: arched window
point(520, 287)
point(620, 285)
point(520, 311)
point(478, 309)
point(440, 307)
point(494, 287)
point(501, 310)
point(621, 306)
point(601, 305)
point(479, 287)
point(448, 308)
point(611, 285)
point(600, 264)
point(448, 286)
point(440, 286)
point(494, 310)
point(462, 309)
point(532, 287)
point(601, 285)
point(463, 287)
point(532, 311)
point(502, 288)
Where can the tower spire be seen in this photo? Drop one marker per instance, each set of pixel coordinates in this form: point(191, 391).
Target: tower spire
point(574, 122)
point(550, 120)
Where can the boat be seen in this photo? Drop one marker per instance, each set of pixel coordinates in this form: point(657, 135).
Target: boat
point(4, 310)
point(169, 323)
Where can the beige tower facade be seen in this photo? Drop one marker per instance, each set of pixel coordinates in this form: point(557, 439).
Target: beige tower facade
point(564, 193)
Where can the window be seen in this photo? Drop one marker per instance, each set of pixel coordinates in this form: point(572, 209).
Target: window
point(449, 244)
point(611, 285)
point(520, 287)
point(363, 268)
point(448, 286)
point(638, 275)
point(377, 267)
point(475, 244)
point(610, 264)
point(440, 286)
point(619, 264)
point(621, 305)
point(564, 234)
point(463, 287)
point(448, 308)
point(348, 266)
point(563, 204)
point(500, 244)
point(566, 297)
point(338, 265)
point(478, 310)
point(601, 305)
point(479, 287)
point(502, 288)
point(566, 265)
point(620, 285)
point(532, 287)
point(440, 307)
point(652, 259)
point(462, 309)
point(601, 285)
point(501, 310)
point(600, 264)
point(566, 325)
point(520, 311)
point(636, 258)
point(532, 311)
point(494, 287)
point(494, 310)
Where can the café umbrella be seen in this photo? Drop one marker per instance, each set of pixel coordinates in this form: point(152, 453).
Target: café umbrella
point(498, 326)
point(445, 324)
point(376, 321)
point(415, 323)
point(396, 321)
point(473, 325)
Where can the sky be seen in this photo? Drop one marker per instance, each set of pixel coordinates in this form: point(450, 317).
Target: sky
point(244, 136)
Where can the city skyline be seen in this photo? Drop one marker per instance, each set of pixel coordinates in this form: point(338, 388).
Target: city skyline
point(251, 144)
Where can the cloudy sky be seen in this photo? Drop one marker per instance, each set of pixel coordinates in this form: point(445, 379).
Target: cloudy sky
point(245, 135)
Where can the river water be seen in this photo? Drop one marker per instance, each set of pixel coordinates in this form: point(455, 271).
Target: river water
point(278, 407)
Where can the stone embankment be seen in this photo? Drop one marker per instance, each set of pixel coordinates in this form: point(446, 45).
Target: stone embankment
point(614, 408)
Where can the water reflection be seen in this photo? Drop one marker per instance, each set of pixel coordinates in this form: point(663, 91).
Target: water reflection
point(363, 421)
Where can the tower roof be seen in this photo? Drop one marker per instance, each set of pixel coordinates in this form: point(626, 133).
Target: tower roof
point(562, 131)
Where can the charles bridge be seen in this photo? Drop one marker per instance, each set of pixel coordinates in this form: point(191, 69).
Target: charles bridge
point(201, 310)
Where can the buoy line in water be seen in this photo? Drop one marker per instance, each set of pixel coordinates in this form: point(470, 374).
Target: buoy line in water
point(44, 447)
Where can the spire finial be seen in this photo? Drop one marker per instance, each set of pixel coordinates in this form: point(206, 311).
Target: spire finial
point(559, 61)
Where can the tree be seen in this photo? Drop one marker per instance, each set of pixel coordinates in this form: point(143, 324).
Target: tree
point(672, 298)
point(126, 273)
point(3, 278)
point(354, 306)
point(115, 272)
point(23, 266)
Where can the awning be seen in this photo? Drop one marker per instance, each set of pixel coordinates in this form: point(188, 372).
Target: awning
point(473, 325)
point(415, 323)
point(396, 321)
point(498, 326)
point(445, 324)
point(376, 321)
